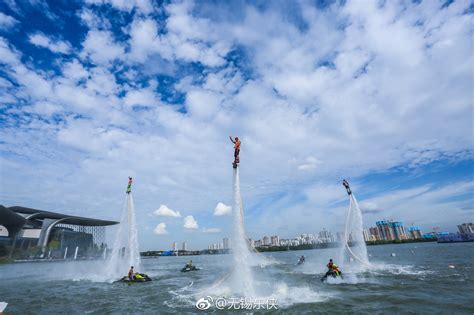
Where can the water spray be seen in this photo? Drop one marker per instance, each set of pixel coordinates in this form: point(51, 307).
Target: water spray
point(117, 264)
point(354, 222)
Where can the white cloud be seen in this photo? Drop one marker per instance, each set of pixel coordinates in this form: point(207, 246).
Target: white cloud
point(369, 207)
point(160, 229)
point(222, 209)
point(187, 38)
point(143, 97)
point(55, 45)
point(101, 47)
point(211, 230)
point(144, 6)
point(425, 205)
point(75, 71)
point(190, 223)
point(310, 163)
point(164, 211)
point(6, 21)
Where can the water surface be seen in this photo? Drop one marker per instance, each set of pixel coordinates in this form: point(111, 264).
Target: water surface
point(417, 279)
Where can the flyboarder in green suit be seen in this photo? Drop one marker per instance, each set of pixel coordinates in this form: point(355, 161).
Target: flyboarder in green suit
point(129, 187)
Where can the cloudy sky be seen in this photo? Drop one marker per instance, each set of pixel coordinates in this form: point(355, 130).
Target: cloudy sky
point(379, 92)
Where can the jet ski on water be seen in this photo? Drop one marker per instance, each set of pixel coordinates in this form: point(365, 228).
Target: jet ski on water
point(331, 273)
point(345, 183)
point(301, 260)
point(138, 277)
point(189, 267)
point(135, 277)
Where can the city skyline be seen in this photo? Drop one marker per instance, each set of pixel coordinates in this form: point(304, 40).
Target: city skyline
point(385, 230)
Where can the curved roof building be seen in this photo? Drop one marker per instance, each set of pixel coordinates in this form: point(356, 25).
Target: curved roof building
point(39, 225)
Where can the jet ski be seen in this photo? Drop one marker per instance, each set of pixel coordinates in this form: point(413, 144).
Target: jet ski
point(139, 277)
point(331, 273)
point(187, 269)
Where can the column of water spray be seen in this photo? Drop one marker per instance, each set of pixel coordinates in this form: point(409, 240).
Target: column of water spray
point(134, 252)
point(115, 265)
point(353, 247)
point(242, 273)
point(121, 260)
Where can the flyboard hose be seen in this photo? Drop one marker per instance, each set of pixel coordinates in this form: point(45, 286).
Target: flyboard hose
point(345, 232)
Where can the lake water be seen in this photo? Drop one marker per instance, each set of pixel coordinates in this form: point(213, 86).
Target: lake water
point(417, 279)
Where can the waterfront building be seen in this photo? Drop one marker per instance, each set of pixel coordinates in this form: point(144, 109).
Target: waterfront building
point(466, 228)
point(275, 241)
point(266, 240)
point(385, 230)
point(185, 246)
point(53, 234)
point(399, 230)
point(325, 237)
point(225, 242)
point(175, 247)
point(367, 235)
point(375, 233)
point(414, 233)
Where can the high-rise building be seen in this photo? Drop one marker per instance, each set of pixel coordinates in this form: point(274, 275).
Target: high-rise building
point(414, 232)
point(175, 246)
point(399, 230)
point(466, 228)
point(385, 230)
point(367, 235)
point(326, 236)
point(275, 240)
point(225, 242)
point(266, 240)
point(185, 246)
point(375, 233)
point(391, 230)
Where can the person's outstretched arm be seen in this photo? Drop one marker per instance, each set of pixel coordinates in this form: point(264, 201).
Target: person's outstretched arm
point(230, 137)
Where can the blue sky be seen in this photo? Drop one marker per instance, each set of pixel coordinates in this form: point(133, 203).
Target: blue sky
point(378, 92)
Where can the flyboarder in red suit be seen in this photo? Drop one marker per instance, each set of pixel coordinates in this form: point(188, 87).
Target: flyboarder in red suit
point(236, 143)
